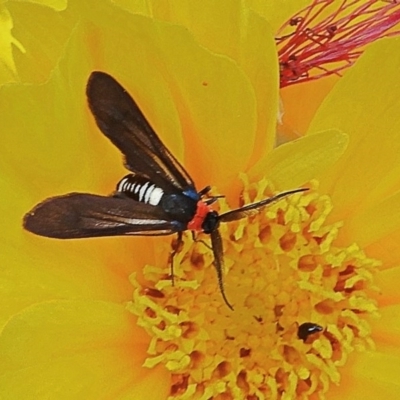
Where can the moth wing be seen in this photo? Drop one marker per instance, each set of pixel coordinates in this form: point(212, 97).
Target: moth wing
point(120, 119)
point(81, 215)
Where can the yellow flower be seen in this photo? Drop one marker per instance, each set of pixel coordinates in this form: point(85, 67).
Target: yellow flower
point(73, 312)
point(33, 36)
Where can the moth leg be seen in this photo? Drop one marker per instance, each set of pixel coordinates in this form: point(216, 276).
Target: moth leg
point(194, 237)
point(176, 246)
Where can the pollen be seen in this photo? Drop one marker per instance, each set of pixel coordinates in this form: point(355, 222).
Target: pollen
point(329, 35)
point(301, 305)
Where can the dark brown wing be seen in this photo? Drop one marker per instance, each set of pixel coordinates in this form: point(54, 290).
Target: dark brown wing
point(81, 215)
point(120, 119)
point(254, 208)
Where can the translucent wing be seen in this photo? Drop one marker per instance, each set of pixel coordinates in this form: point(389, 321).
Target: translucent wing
point(81, 215)
point(120, 119)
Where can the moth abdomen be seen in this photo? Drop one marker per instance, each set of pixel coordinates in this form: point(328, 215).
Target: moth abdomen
point(140, 188)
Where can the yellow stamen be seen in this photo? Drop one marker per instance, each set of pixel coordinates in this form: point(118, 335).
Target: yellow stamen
point(282, 270)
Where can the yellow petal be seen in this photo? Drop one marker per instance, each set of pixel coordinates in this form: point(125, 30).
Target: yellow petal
point(41, 34)
point(57, 5)
point(297, 115)
point(46, 271)
point(243, 36)
point(143, 7)
point(386, 281)
point(47, 133)
point(277, 12)
point(155, 385)
point(377, 229)
point(370, 376)
point(296, 162)
point(8, 71)
point(80, 350)
point(260, 64)
point(386, 329)
point(368, 109)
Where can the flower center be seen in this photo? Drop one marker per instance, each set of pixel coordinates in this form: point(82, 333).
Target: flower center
point(300, 306)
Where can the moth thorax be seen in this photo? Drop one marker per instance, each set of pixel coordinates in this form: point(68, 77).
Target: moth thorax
point(140, 188)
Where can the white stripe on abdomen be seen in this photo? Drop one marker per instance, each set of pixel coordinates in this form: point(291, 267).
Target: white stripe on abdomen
point(141, 189)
